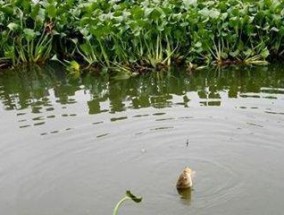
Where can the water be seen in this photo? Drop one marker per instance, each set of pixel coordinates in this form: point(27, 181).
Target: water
point(74, 146)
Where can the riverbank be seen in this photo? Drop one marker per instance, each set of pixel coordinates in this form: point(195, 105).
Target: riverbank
point(140, 36)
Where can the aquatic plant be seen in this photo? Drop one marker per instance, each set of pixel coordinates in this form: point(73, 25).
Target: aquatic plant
point(26, 33)
point(141, 35)
point(128, 196)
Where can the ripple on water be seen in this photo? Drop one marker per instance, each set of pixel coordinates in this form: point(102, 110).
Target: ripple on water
point(213, 136)
point(216, 184)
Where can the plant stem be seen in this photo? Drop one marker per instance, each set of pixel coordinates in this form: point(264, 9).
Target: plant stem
point(115, 210)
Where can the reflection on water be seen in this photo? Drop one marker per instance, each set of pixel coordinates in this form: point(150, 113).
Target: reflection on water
point(39, 90)
point(185, 196)
point(65, 142)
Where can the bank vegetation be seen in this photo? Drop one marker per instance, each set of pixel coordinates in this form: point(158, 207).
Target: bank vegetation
point(140, 35)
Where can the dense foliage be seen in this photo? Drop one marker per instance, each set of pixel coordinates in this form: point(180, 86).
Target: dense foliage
point(140, 34)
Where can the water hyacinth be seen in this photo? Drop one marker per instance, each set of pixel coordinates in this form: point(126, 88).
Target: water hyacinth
point(141, 35)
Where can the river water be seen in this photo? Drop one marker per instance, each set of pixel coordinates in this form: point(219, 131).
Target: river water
point(74, 146)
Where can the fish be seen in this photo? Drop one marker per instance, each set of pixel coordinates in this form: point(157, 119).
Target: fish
point(185, 179)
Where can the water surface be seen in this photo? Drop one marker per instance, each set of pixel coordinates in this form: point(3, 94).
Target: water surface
point(74, 146)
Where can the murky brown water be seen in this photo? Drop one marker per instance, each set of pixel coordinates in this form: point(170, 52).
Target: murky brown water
point(73, 147)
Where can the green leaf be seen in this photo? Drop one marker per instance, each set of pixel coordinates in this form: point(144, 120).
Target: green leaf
point(51, 11)
point(235, 53)
point(29, 34)
point(248, 52)
point(133, 197)
point(7, 9)
point(224, 55)
point(274, 29)
point(188, 3)
point(86, 48)
point(13, 26)
point(214, 14)
point(198, 44)
point(264, 53)
point(35, 11)
point(73, 66)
